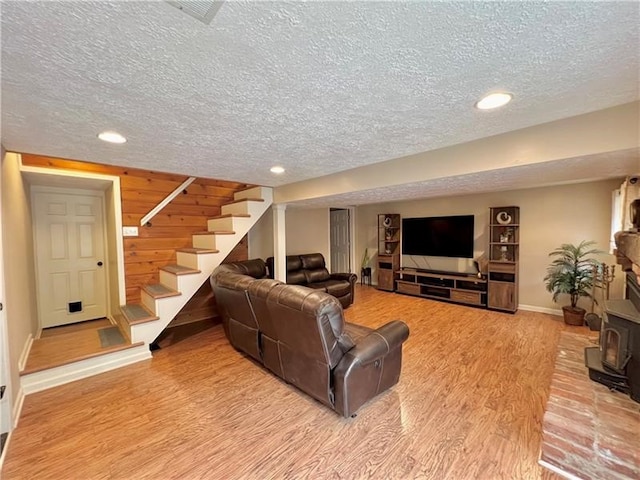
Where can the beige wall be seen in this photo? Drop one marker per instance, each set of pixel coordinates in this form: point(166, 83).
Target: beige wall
point(549, 216)
point(307, 231)
point(261, 237)
point(22, 320)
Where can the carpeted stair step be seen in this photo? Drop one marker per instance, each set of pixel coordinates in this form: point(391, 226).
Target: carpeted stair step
point(135, 313)
point(197, 251)
point(215, 232)
point(179, 269)
point(245, 200)
point(230, 215)
point(157, 290)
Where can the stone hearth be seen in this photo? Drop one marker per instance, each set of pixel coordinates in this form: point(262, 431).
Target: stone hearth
point(589, 432)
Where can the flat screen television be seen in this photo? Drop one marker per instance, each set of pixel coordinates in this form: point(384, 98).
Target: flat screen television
point(438, 236)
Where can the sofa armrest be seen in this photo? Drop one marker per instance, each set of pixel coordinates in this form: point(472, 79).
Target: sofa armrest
point(372, 366)
point(349, 277)
point(379, 343)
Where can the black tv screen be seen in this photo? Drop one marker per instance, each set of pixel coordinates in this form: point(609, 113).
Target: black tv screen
point(438, 236)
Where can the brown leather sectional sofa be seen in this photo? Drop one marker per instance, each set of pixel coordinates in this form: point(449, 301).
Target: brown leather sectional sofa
point(310, 271)
point(300, 335)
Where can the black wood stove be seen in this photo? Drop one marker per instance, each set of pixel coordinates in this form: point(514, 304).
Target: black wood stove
point(616, 361)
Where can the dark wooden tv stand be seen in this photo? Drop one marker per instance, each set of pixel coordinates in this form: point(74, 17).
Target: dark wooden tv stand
point(449, 286)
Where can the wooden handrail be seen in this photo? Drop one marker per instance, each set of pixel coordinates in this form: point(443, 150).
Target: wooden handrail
point(155, 210)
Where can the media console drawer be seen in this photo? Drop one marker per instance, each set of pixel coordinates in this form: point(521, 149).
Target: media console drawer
point(410, 288)
point(466, 297)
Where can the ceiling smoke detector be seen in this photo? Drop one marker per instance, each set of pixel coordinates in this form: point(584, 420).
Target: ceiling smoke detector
point(200, 10)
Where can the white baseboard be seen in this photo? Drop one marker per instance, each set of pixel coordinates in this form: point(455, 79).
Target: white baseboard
point(25, 353)
point(17, 408)
point(555, 469)
point(533, 308)
point(38, 381)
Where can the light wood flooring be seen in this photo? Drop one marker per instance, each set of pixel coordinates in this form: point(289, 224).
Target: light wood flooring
point(75, 327)
point(69, 343)
point(469, 405)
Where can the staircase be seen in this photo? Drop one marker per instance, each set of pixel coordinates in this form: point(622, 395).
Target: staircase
point(160, 303)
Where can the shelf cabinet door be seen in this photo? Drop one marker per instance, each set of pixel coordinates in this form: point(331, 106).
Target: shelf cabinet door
point(386, 279)
point(502, 296)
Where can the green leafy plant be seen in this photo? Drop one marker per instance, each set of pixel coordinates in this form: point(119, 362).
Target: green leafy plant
point(365, 259)
point(572, 272)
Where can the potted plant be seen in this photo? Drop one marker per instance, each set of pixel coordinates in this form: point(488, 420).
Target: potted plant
point(572, 273)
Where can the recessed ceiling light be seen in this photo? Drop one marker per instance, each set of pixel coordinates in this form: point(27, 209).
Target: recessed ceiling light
point(111, 137)
point(277, 170)
point(493, 100)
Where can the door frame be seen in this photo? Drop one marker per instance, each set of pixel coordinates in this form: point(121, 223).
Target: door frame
point(36, 189)
point(6, 407)
point(352, 243)
point(109, 185)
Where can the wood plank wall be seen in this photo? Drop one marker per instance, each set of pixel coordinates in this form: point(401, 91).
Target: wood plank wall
point(171, 229)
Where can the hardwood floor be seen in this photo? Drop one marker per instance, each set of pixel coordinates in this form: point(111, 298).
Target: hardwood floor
point(75, 327)
point(469, 405)
point(67, 344)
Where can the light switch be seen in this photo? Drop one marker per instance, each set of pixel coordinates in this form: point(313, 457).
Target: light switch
point(129, 231)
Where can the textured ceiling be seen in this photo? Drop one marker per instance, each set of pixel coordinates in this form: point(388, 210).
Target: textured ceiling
point(573, 170)
point(317, 87)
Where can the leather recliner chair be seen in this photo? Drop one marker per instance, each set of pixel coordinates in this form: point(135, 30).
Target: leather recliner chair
point(300, 335)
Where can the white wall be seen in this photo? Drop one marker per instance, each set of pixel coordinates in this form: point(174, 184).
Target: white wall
point(17, 237)
point(548, 216)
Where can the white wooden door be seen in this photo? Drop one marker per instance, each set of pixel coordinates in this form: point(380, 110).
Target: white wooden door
point(339, 232)
point(70, 257)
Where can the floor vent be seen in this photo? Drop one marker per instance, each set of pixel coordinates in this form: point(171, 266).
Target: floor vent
point(201, 10)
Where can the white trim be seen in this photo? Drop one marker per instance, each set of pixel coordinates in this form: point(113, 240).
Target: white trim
point(533, 308)
point(327, 261)
point(117, 220)
point(555, 469)
point(17, 407)
point(38, 381)
point(354, 263)
point(73, 179)
point(25, 352)
point(155, 210)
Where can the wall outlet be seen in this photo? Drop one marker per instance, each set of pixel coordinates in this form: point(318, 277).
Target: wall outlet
point(129, 231)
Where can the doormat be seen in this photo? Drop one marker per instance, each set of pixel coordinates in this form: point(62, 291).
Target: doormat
point(110, 337)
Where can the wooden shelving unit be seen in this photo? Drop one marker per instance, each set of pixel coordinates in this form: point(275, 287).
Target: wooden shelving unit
point(504, 253)
point(460, 288)
point(388, 250)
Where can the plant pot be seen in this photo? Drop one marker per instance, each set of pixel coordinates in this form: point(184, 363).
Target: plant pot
point(573, 316)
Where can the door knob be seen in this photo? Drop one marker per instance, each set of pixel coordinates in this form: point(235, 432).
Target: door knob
point(99, 264)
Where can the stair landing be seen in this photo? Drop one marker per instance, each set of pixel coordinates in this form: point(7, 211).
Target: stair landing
point(71, 346)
